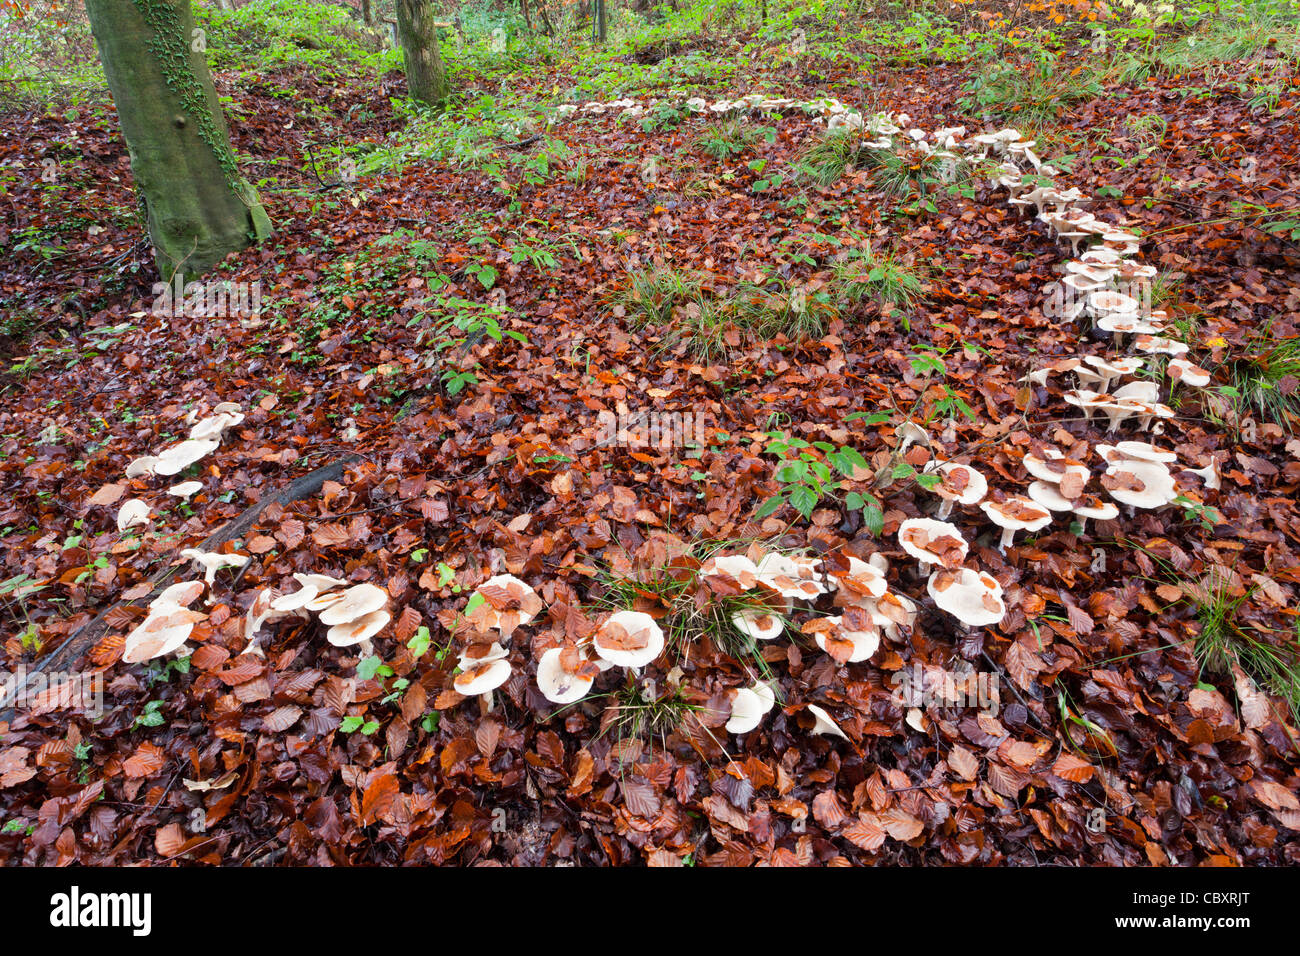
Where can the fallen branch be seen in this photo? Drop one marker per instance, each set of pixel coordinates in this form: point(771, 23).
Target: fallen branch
point(86, 636)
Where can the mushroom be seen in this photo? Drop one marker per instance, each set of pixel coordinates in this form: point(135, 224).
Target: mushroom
point(1110, 372)
point(737, 567)
point(933, 542)
point(185, 489)
point(321, 582)
point(1056, 469)
point(629, 639)
point(564, 674)
point(1049, 496)
point(1156, 345)
point(1135, 451)
point(211, 562)
point(358, 630)
point(862, 643)
point(825, 724)
point(482, 678)
point(1181, 370)
point(213, 428)
point(132, 513)
point(142, 466)
point(1109, 302)
point(163, 631)
point(508, 603)
point(1138, 391)
point(1209, 475)
point(356, 603)
point(748, 707)
point(911, 433)
point(177, 458)
point(180, 594)
point(1140, 484)
point(973, 597)
point(758, 624)
point(862, 582)
point(794, 577)
point(1015, 514)
point(959, 484)
point(1090, 506)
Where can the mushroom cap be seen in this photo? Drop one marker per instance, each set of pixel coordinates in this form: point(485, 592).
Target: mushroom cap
point(508, 603)
point(180, 594)
point(357, 601)
point(480, 654)
point(758, 623)
point(735, 566)
point(185, 489)
point(560, 684)
point(933, 542)
point(321, 582)
point(864, 643)
point(1114, 369)
point(142, 466)
point(1156, 345)
point(180, 456)
point(747, 710)
point(792, 576)
point(1126, 324)
point(321, 601)
point(132, 513)
point(1093, 507)
point(1049, 496)
point(960, 483)
point(1138, 391)
point(360, 629)
point(1135, 451)
point(825, 723)
point(1141, 484)
point(862, 582)
point(483, 677)
point(973, 597)
point(629, 639)
point(1056, 469)
point(1019, 514)
point(214, 426)
point(162, 632)
point(295, 599)
point(1184, 371)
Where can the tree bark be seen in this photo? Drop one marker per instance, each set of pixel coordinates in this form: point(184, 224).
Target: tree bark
point(425, 77)
point(198, 206)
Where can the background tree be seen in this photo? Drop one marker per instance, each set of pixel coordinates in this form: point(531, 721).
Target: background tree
point(199, 209)
point(418, 34)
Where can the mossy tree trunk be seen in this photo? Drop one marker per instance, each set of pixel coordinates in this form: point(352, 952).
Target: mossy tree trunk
point(199, 208)
point(418, 34)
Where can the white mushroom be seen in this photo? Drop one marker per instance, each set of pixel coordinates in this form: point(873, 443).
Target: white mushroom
point(357, 602)
point(1140, 484)
point(862, 643)
point(185, 489)
point(165, 630)
point(211, 562)
point(507, 603)
point(141, 467)
point(564, 675)
point(358, 630)
point(1015, 514)
point(973, 597)
point(629, 639)
point(748, 707)
point(132, 513)
point(177, 458)
point(735, 566)
point(1181, 370)
point(959, 484)
point(758, 624)
point(933, 542)
point(825, 724)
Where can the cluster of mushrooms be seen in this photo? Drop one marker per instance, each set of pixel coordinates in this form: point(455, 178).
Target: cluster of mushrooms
point(204, 438)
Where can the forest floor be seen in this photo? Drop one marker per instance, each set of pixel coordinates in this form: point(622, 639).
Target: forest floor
point(498, 465)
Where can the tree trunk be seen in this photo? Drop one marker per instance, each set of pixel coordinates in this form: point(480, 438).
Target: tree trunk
point(367, 14)
point(199, 208)
point(419, 38)
point(600, 21)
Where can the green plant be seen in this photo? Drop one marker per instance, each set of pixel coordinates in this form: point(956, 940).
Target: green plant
point(866, 273)
point(1265, 378)
point(806, 474)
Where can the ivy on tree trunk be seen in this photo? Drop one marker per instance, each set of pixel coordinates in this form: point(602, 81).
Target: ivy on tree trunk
point(199, 209)
point(418, 35)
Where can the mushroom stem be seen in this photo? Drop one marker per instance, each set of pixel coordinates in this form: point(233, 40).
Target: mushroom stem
point(945, 508)
point(1007, 535)
point(485, 703)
